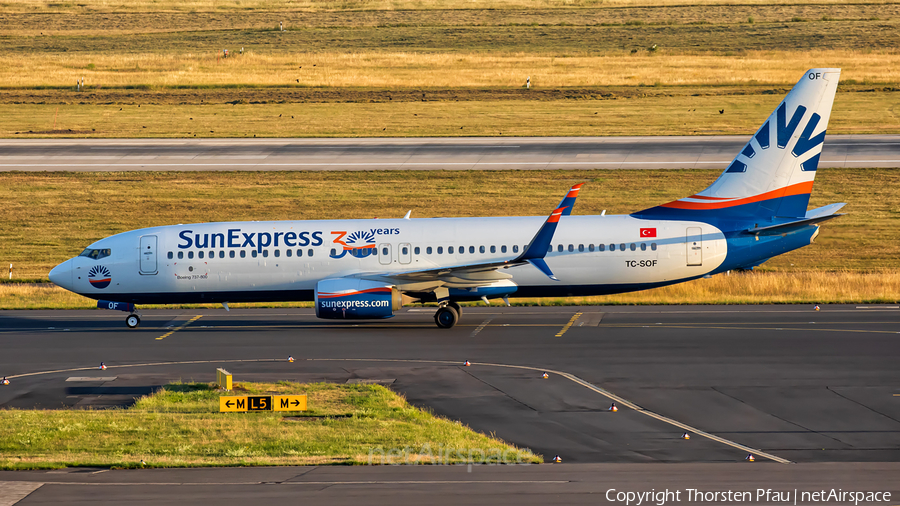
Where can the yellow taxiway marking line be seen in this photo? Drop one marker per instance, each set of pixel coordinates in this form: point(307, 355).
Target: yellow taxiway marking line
point(183, 325)
point(568, 325)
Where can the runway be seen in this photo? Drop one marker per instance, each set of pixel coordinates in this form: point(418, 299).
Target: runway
point(812, 388)
point(465, 153)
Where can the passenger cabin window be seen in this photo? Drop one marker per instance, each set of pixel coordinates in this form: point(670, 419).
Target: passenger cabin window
point(643, 246)
point(612, 247)
point(503, 249)
point(277, 253)
point(493, 249)
point(253, 253)
point(384, 251)
point(95, 254)
point(440, 250)
point(309, 253)
point(428, 250)
point(333, 252)
point(265, 253)
point(590, 247)
point(222, 254)
point(653, 246)
point(633, 247)
point(416, 250)
point(449, 250)
point(559, 248)
point(199, 254)
point(288, 252)
point(515, 248)
point(581, 247)
point(190, 254)
point(231, 254)
point(243, 254)
point(171, 255)
point(571, 248)
point(180, 255)
point(404, 250)
point(601, 247)
point(622, 246)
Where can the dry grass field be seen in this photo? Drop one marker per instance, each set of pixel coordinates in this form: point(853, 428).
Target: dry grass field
point(411, 69)
point(765, 286)
point(388, 114)
point(344, 5)
point(348, 53)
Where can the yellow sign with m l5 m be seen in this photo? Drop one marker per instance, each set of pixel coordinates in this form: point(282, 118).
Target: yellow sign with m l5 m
point(233, 403)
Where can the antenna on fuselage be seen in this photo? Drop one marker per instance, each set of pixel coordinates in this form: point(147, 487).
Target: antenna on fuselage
point(406, 217)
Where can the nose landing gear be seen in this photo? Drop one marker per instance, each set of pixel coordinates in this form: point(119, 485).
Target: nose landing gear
point(133, 320)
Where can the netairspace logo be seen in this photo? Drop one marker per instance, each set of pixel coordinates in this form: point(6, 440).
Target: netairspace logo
point(445, 456)
point(759, 496)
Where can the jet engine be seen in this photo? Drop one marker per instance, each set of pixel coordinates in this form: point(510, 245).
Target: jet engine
point(345, 298)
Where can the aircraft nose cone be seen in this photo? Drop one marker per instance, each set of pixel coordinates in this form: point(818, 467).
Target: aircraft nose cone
point(61, 275)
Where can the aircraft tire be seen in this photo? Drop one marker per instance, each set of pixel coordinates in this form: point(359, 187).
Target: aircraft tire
point(446, 317)
point(457, 307)
point(132, 321)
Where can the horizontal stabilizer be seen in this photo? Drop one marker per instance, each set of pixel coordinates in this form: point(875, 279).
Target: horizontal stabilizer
point(824, 210)
point(812, 217)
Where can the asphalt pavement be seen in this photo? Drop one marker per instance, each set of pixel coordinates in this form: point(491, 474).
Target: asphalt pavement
point(815, 395)
point(456, 153)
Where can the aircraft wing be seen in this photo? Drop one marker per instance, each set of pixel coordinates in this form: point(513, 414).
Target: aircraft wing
point(482, 274)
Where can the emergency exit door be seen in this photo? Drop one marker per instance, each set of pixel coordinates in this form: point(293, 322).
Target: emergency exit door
point(384, 254)
point(148, 254)
point(694, 246)
point(405, 253)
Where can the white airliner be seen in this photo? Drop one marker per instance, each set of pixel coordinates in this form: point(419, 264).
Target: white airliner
point(755, 210)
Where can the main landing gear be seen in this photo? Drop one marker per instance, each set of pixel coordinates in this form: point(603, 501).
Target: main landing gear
point(133, 320)
point(448, 315)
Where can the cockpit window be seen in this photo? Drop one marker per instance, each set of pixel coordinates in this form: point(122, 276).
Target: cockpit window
point(96, 254)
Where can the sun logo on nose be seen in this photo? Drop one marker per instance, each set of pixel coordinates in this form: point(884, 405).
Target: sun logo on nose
point(99, 276)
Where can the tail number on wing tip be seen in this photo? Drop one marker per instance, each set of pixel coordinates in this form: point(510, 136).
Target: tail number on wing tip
point(640, 263)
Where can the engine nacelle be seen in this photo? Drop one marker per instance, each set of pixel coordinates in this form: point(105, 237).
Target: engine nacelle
point(345, 298)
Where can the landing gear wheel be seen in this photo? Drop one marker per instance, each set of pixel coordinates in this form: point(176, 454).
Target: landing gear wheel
point(457, 307)
point(132, 321)
point(446, 317)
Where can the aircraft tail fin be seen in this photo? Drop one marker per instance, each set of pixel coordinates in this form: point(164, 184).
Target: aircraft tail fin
point(773, 175)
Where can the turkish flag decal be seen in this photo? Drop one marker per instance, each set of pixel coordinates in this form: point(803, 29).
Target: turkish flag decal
point(648, 232)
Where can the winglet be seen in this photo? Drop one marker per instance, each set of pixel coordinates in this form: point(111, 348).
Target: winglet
point(568, 202)
point(540, 244)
